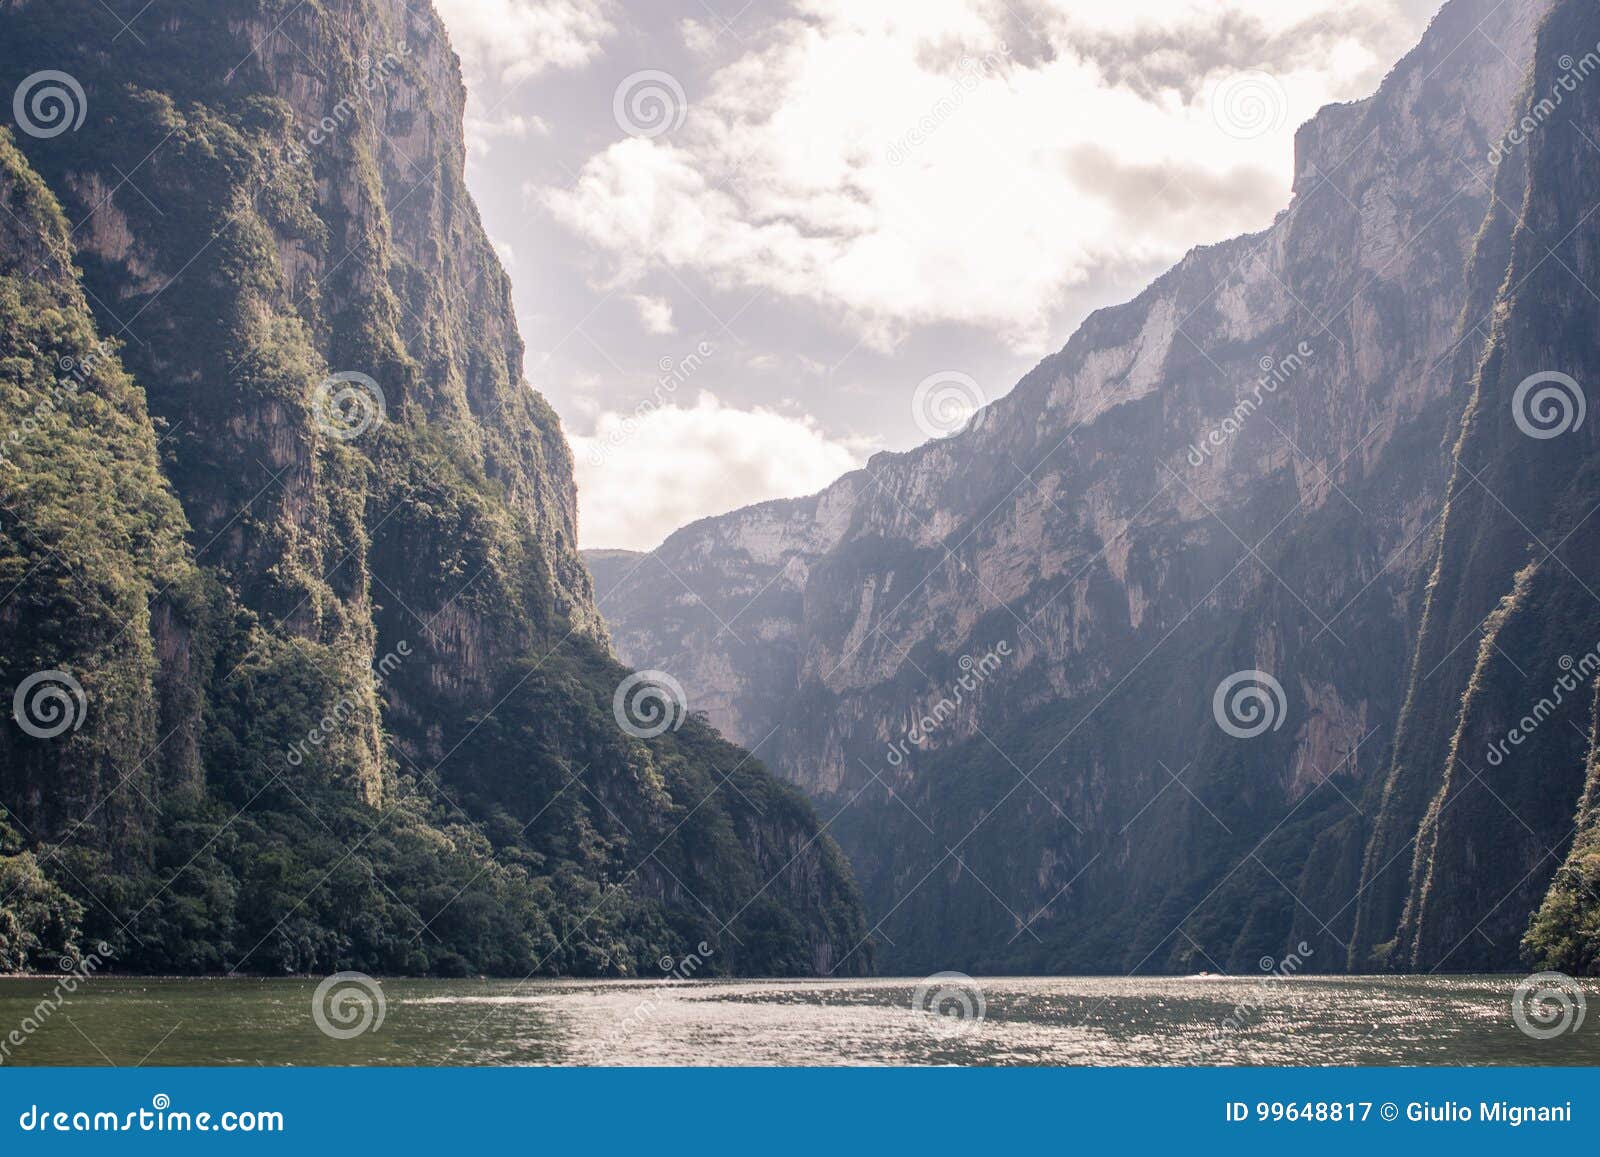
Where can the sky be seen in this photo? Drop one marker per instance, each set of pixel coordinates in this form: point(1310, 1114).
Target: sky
point(753, 243)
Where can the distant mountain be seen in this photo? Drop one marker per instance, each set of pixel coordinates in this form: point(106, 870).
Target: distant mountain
point(1171, 659)
point(611, 567)
point(303, 669)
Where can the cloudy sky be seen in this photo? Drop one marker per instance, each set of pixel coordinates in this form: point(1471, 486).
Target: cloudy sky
point(742, 233)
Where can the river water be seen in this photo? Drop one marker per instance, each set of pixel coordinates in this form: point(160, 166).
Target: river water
point(1463, 1020)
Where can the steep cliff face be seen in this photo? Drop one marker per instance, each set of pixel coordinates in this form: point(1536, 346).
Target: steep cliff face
point(1498, 731)
point(372, 721)
point(1000, 651)
point(89, 536)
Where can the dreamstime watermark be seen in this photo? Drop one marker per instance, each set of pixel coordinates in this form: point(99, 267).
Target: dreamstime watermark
point(1548, 1004)
point(1249, 104)
point(342, 711)
point(348, 1004)
point(73, 374)
point(160, 1117)
point(681, 968)
point(975, 672)
point(373, 74)
point(649, 703)
point(1578, 677)
point(949, 1004)
point(943, 403)
point(649, 103)
point(1249, 703)
point(78, 970)
point(1273, 973)
point(1549, 404)
point(674, 373)
point(971, 72)
point(1573, 73)
point(1275, 372)
point(49, 703)
point(347, 404)
point(49, 103)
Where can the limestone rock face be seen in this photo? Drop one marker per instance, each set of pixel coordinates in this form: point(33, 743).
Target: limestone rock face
point(1244, 469)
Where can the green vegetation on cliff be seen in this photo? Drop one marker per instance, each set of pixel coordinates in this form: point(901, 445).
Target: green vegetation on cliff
point(345, 698)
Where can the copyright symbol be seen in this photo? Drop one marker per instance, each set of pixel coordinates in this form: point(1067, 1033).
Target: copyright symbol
point(1389, 1111)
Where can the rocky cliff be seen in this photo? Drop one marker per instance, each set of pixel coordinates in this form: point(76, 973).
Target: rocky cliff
point(296, 551)
point(1112, 679)
point(1494, 766)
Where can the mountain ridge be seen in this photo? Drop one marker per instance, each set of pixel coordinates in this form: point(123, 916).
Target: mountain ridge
point(1070, 520)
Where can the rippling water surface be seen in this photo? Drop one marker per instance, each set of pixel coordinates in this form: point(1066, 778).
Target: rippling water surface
point(1024, 1021)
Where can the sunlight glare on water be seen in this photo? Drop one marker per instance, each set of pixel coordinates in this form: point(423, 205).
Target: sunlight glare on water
point(1017, 1021)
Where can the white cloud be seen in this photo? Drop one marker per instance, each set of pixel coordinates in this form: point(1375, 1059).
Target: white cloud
point(643, 475)
point(586, 406)
point(698, 37)
point(502, 42)
point(655, 313)
point(906, 165)
point(484, 128)
point(514, 39)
